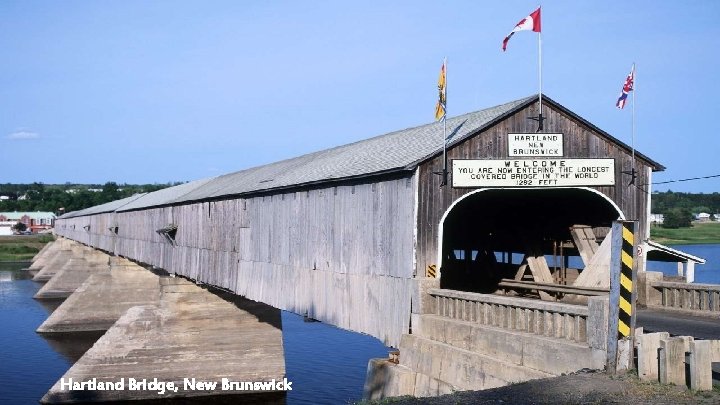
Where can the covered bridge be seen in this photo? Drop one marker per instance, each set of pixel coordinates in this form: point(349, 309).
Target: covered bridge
point(343, 235)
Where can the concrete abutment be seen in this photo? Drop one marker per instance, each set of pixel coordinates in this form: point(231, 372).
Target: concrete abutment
point(500, 347)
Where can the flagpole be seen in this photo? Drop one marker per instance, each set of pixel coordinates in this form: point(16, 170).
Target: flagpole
point(632, 140)
point(540, 115)
point(629, 87)
point(445, 172)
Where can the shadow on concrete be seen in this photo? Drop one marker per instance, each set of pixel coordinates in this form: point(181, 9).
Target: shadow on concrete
point(50, 305)
point(263, 312)
point(72, 345)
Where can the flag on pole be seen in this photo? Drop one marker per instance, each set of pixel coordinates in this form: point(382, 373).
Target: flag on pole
point(529, 23)
point(626, 89)
point(441, 104)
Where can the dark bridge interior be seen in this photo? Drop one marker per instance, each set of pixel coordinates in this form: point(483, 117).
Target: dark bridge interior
point(484, 231)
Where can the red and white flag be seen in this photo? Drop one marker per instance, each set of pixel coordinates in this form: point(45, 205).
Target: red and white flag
point(626, 89)
point(529, 23)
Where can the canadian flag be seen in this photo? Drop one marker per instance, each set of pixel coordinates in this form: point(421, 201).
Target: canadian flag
point(529, 23)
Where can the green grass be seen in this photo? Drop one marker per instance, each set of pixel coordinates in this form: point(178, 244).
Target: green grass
point(17, 252)
point(19, 248)
point(32, 239)
point(699, 233)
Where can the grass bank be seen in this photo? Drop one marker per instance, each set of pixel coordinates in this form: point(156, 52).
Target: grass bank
point(18, 248)
point(699, 233)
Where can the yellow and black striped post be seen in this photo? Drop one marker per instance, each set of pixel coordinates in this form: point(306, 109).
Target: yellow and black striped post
point(621, 319)
point(431, 271)
point(626, 316)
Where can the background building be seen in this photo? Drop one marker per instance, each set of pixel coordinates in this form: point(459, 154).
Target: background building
point(34, 221)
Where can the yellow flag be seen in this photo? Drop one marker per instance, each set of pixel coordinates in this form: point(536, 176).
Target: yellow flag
point(441, 104)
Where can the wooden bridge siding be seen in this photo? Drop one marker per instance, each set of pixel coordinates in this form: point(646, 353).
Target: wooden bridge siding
point(103, 237)
point(579, 142)
point(342, 254)
point(97, 235)
point(65, 227)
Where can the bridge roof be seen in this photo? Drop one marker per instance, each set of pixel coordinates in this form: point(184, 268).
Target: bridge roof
point(661, 253)
point(111, 206)
point(165, 196)
point(393, 152)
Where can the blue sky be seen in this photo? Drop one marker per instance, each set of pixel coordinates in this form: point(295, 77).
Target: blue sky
point(153, 92)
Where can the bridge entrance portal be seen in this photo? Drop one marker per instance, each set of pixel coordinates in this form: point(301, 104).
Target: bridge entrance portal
point(494, 234)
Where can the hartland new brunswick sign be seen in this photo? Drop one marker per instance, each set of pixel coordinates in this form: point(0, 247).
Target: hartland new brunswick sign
point(546, 172)
point(535, 145)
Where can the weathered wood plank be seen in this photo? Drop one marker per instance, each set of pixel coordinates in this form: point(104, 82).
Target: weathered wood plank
point(585, 242)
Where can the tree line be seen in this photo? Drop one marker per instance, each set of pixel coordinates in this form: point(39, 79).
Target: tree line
point(679, 208)
point(61, 198)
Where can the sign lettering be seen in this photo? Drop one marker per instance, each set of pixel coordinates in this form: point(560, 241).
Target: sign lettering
point(533, 172)
point(535, 145)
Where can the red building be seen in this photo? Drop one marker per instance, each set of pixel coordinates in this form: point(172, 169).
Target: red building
point(34, 221)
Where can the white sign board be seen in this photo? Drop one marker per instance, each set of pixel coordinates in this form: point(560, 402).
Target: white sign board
point(533, 172)
point(535, 145)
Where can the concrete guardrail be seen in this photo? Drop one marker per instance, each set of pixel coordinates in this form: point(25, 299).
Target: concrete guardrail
point(577, 323)
point(689, 296)
point(677, 360)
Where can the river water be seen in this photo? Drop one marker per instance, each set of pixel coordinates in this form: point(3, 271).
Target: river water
point(704, 273)
point(327, 365)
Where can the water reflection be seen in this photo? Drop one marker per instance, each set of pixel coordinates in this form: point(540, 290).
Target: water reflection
point(11, 274)
point(50, 305)
point(29, 366)
point(72, 346)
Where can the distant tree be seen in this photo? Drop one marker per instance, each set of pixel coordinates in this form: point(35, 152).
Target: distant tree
point(110, 192)
point(663, 201)
point(677, 218)
point(50, 197)
point(36, 192)
point(700, 209)
point(19, 227)
point(82, 199)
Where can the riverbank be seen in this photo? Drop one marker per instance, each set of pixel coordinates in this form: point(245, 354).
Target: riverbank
point(21, 248)
point(699, 233)
point(578, 388)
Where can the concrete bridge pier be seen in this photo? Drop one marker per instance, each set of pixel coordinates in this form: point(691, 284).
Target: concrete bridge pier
point(73, 274)
point(103, 297)
point(47, 253)
point(67, 252)
point(42, 251)
point(189, 342)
